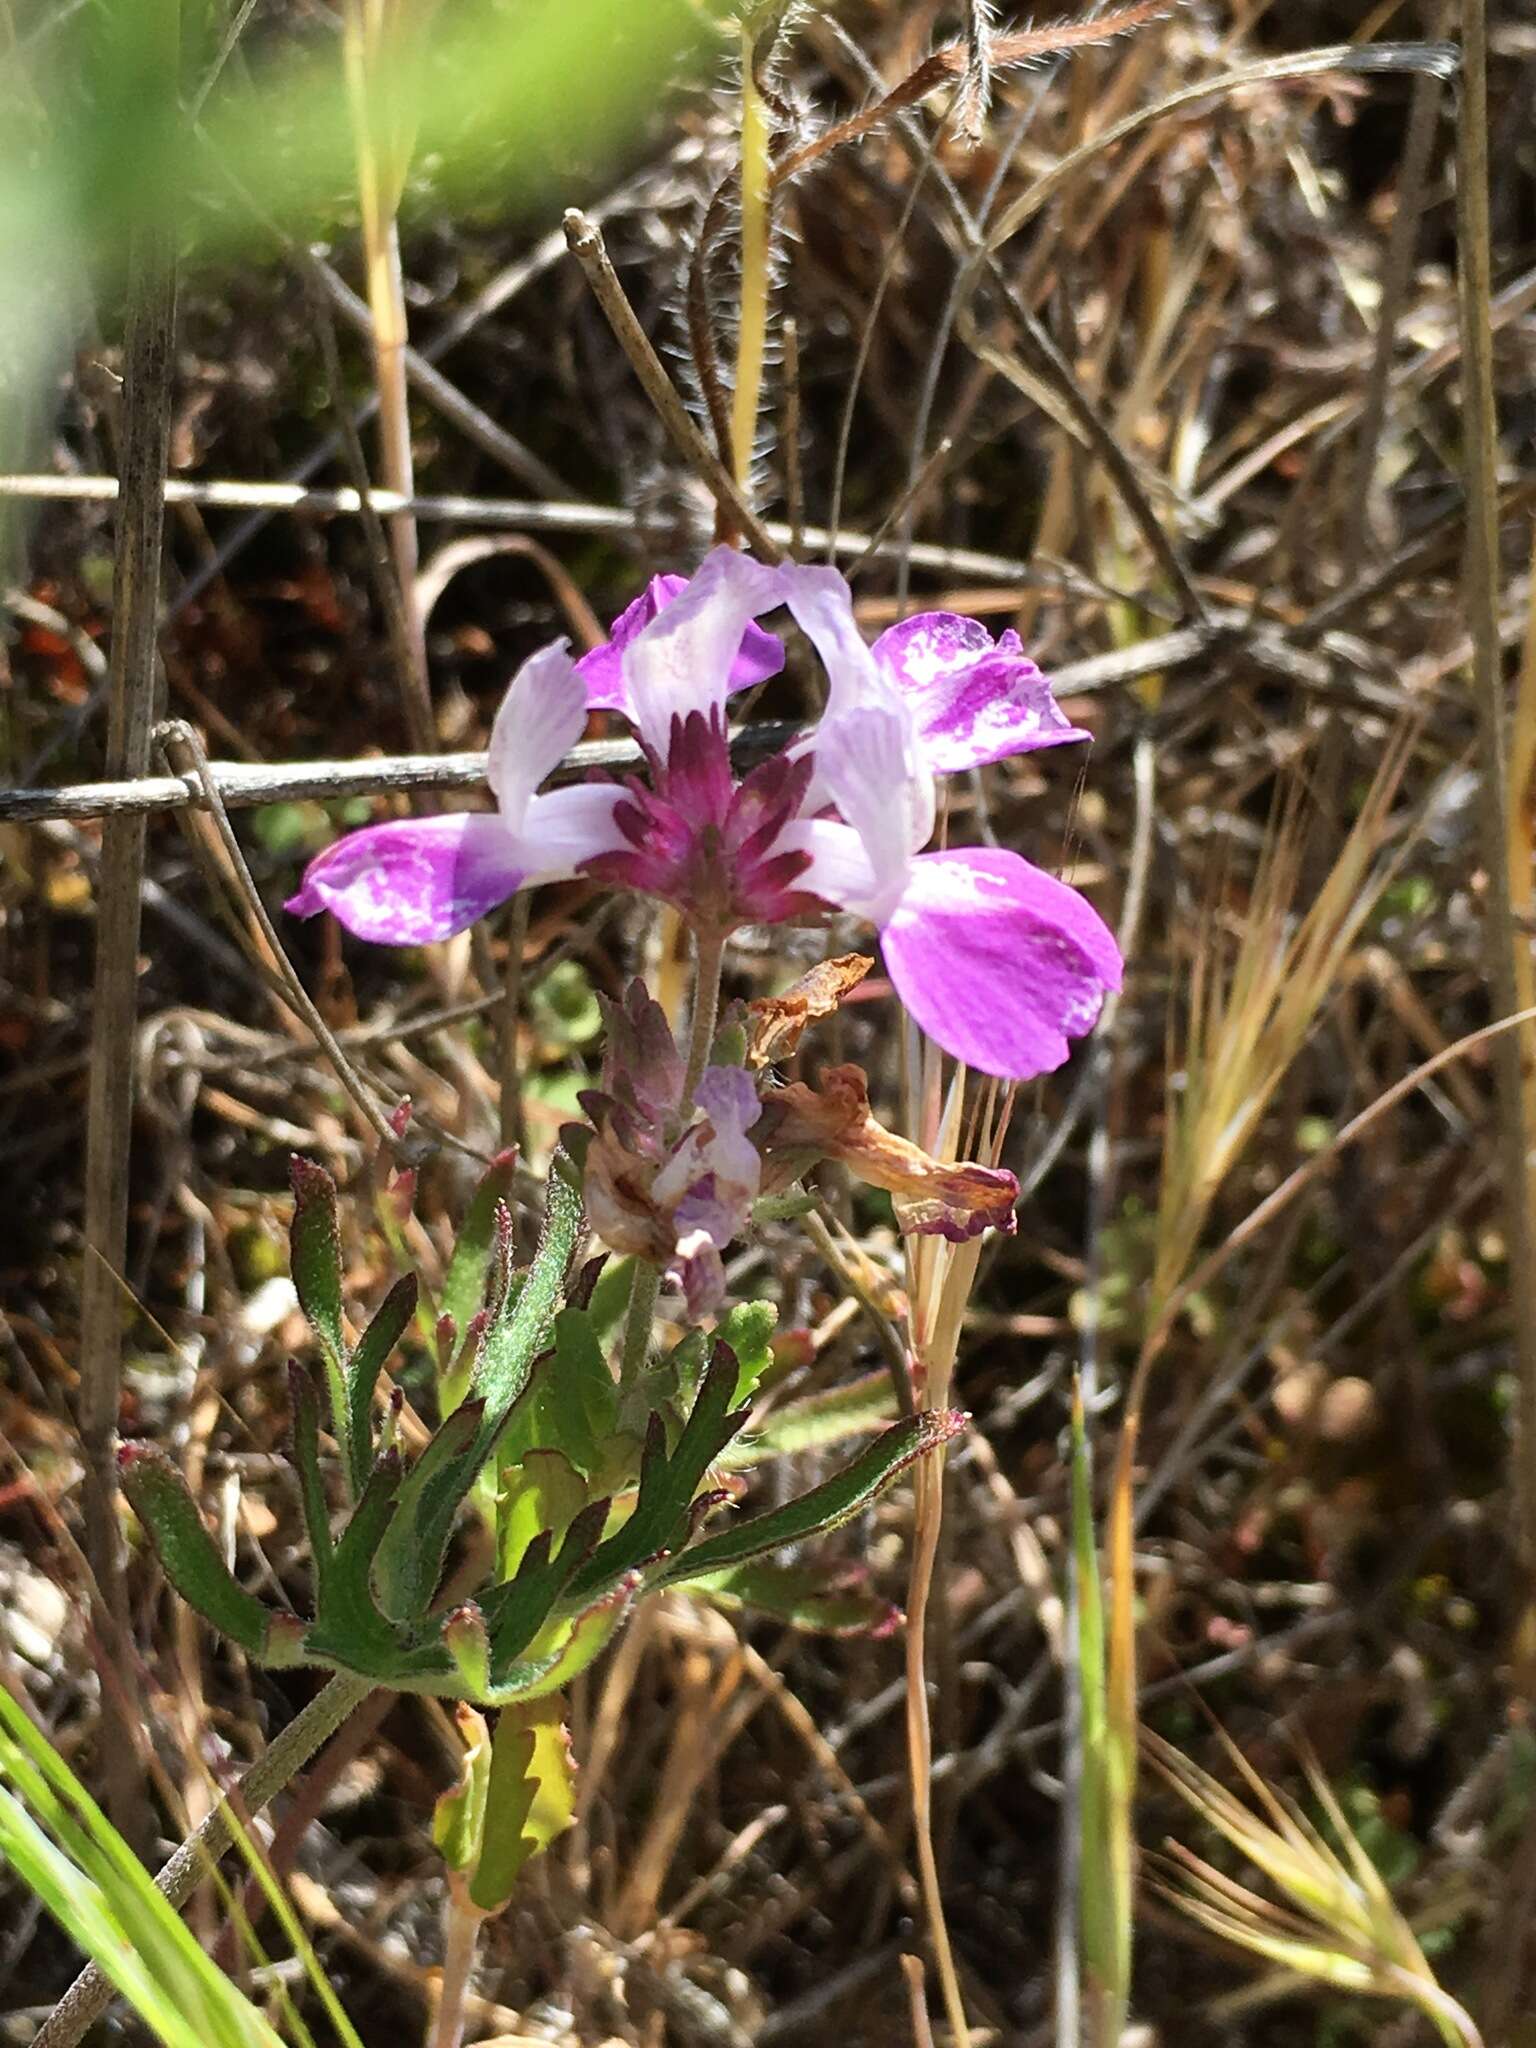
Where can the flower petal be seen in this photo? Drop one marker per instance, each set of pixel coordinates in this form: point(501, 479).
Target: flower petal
point(841, 872)
point(997, 961)
point(416, 879)
point(540, 720)
point(684, 660)
point(564, 827)
point(973, 700)
point(822, 607)
point(760, 655)
point(866, 760)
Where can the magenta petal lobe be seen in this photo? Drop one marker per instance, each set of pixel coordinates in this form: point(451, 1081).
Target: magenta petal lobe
point(413, 880)
point(973, 700)
point(999, 962)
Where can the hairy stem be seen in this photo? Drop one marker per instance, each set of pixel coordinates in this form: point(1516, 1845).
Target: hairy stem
point(639, 1321)
point(91, 1993)
point(756, 224)
point(709, 958)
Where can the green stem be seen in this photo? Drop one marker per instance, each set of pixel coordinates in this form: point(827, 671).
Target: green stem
point(91, 1993)
point(709, 958)
point(639, 1321)
point(640, 1318)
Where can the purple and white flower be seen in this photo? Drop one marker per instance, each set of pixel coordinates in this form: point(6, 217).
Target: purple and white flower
point(998, 961)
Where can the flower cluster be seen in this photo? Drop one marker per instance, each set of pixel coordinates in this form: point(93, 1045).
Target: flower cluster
point(999, 962)
point(674, 1183)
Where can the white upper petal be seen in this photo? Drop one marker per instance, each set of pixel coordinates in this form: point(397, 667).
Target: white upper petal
point(540, 720)
point(867, 760)
point(681, 662)
point(822, 607)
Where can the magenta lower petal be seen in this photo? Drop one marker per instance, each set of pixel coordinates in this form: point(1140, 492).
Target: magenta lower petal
point(415, 880)
point(999, 963)
point(974, 700)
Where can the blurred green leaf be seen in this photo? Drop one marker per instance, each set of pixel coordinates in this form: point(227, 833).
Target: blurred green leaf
point(826, 1599)
point(817, 1420)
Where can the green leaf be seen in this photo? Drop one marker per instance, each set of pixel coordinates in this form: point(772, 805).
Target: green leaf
point(543, 1491)
point(350, 1627)
point(193, 1563)
point(668, 1485)
point(390, 1321)
point(566, 1648)
point(610, 1299)
point(837, 1500)
point(458, 1818)
point(468, 1643)
point(518, 1610)
point(464, 1287)
point(827, 1600)
point(521, 1330)
point(314, 1241)
point(853, 1409)
point(304, 1404)
point(576, 1391)
point(314, 1251)
point(748, 1329)
point(411, 1551)
point(530, 1799)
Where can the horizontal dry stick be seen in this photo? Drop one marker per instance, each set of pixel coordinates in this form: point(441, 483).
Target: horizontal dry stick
point(527, 514)
point(242, 784)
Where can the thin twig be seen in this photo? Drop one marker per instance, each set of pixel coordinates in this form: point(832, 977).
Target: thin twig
point(1423, 111)
point(586, 245)
point(1503, 935)
point(241, 784)
point(182, 746)
point(149, 370)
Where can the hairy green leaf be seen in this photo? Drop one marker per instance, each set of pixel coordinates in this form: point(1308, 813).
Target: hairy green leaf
point(464, 1286)
point(314, 1251)
point(193, 1563)
point(853, 1409)
point(390, 1322)
point(668, 1484)
point(411, 1551)
point(748, 1329)
point(517, 1334)
point(304, 1404)
point(350, 1627)
point(837, 1500)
